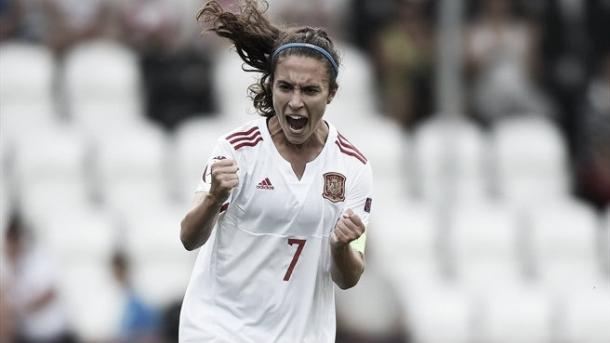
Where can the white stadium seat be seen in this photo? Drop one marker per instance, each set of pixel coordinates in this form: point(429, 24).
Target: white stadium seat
point(522, 314)
point(26, 87)
point(387, 150)
point(440, 313)
point(355, 100)
point(93, 300)
point(193, 144)
point(530, 160)
point(131, 166)
point(449, 154)
point(404, 241)
point(82, 241)
point(483, 242)
point(102, 86)
point(161, 267)
point(585, 316)
point(562, 238)
point(373, 316)
point(231, 83)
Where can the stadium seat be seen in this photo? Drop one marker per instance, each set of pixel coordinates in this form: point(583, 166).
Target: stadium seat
point(161, 267)
point(483, 246)
point(132, 168)
point(355, 99)
point(82, 240)
point(26, 87)
point(585, 315)
point(562, 239)
point(194, 141)
point(102, 86)
point(231, 84)
point(372, 317)
point(93, 300)
point(439, 313)
point(521, 314)
point(529, 160)
point(49, 170)
point(53, 155)
point(404, 241)
point(449, 156)
point(387, 150)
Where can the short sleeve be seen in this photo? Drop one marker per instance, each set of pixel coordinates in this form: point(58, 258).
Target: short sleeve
point(359, 199)
point(221, 151)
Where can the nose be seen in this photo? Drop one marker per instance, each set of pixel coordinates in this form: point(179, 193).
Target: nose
point(296, 101)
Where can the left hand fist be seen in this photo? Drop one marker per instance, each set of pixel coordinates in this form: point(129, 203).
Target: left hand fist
point(348, 228)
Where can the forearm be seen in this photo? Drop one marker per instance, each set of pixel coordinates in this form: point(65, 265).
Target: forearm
point(347, 266)
point(198, 223)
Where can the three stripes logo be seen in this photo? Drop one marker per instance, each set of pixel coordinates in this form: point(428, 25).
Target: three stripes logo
point(349, 149)
point(248, 138)
point(265, 184)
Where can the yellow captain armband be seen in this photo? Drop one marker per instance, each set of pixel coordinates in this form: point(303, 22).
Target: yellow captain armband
point(359, 244)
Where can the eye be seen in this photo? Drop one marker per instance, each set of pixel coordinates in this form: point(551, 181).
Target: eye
point(284, 87)
point(311, 90)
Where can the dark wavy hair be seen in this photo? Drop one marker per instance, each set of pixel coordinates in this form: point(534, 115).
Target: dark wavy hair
point(255, 39)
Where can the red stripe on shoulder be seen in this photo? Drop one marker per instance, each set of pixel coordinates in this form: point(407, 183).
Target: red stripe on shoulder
point(248, 143)
point(242, 133)
point(249, 137)
point(347, 143)
point(346, 147)
point(350, 153)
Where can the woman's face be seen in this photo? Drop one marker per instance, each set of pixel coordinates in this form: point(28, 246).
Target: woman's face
point(300, 95)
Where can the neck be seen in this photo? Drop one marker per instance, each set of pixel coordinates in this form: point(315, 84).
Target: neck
point(305, 152)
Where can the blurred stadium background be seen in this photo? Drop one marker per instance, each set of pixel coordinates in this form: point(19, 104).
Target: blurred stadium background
point(487, 123)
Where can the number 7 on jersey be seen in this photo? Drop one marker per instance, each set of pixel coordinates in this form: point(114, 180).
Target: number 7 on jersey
point(295, 258)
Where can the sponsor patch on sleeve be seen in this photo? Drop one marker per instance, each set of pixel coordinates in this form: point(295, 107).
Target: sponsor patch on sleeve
point(367, 205)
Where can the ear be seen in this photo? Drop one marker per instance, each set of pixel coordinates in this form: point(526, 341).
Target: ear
point(331, 95)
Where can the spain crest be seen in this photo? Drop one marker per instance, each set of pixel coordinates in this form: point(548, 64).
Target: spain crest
point(334, 187)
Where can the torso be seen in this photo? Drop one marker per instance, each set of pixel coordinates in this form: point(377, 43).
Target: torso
point(264, 275)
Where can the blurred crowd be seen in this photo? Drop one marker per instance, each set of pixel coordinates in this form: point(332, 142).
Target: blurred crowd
point(536, 58)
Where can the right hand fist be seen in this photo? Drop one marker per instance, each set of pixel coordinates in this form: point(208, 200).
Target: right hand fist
point(224, 179)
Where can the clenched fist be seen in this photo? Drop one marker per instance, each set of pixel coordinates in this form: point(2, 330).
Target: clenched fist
point(224, 179)
point(348, 228)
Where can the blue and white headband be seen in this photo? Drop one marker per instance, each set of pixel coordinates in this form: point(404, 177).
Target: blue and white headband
point(320, 50)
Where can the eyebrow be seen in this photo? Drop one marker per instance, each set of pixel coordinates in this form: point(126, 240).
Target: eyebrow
point(307, 85)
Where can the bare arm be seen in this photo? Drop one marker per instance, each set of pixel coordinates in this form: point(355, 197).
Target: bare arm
point(199, 221)
point(347, 265)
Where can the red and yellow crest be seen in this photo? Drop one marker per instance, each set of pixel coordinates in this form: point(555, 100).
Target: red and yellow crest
point(334, 187)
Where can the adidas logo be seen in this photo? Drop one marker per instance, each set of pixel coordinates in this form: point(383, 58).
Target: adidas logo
point(265, 184)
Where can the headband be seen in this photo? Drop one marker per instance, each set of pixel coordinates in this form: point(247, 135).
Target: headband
point(320, 50)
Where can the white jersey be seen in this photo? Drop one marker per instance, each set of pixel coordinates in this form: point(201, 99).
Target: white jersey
point(264, 274)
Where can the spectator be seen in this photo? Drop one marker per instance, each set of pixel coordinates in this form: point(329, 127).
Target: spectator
point(593, 140)
point(177, 72)
point(139, 321)
point(403, 52)
point(500, 58)
point(10, 12)
point(366, 20)
point(75, 21)
point(567, 55)
point(32, 297)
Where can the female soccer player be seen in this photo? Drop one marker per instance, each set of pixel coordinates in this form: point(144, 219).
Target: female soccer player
point(284, 201)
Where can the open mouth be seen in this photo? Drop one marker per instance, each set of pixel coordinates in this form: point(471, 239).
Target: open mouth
point(296, 122)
